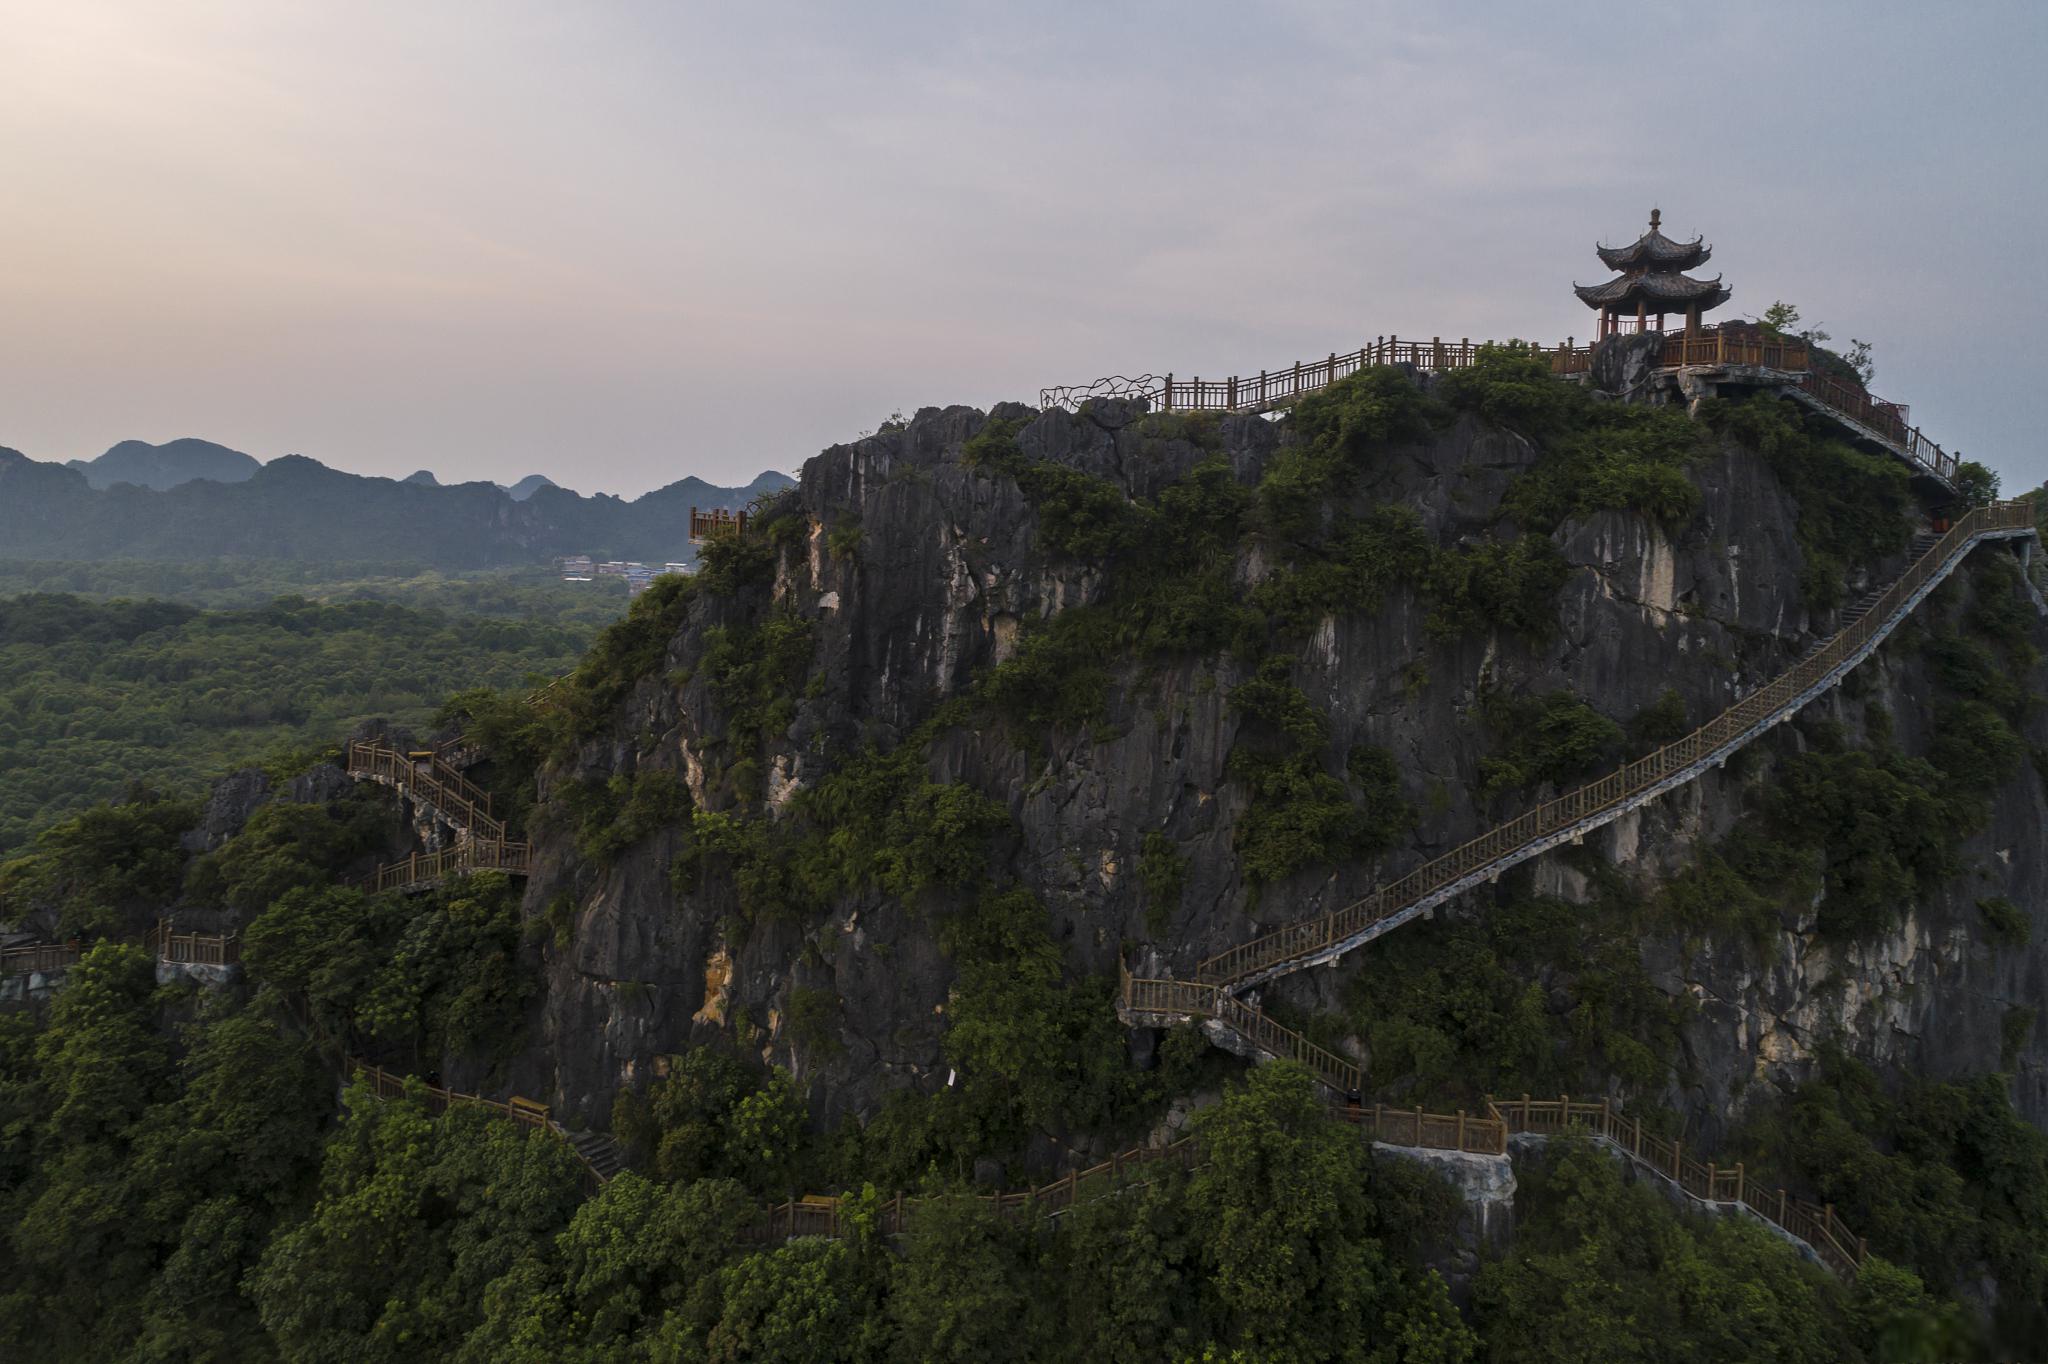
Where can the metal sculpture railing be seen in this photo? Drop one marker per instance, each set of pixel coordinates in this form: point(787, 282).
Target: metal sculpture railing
point(1600, 801)
point(1701, 347)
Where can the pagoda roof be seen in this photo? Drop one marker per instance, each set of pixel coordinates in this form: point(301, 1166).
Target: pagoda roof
point(1658, 252)
point(1655, 288)
point(1655, 251)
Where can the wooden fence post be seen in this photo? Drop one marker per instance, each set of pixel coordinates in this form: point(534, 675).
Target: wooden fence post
point(1461, 1129)
point(1739, 1195)
point(1678, 1162)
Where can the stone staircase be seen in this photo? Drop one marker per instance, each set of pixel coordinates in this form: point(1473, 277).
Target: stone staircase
point(598, 1152)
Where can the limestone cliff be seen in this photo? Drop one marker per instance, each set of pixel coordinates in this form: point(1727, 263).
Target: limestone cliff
point(918, 572)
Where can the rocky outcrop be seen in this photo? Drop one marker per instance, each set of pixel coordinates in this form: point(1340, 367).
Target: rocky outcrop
point(945, 577)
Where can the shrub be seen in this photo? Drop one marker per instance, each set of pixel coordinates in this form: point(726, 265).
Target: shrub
point(1660, 722)
point(1164, 873)
point(1299, 814)
point(2006, 923)
point(1554, 738)
point(1510, 385)
point(612, 815)
point(1497, 584)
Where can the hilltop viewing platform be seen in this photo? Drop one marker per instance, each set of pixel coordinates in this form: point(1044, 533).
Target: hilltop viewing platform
point(1632, 355)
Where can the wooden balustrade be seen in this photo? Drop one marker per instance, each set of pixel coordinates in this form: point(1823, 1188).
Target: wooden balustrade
point(164, 943)
point(388, 1085)
point(706, 525)
point(1702, 347)
point(481, 846)
point(39, 958)
point(1506, 844)
point(1815, 1224)
point(431, 781)
point(196, 949)
point(472, 855)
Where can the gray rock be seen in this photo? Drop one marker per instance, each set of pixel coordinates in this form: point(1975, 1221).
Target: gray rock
point(945, 577)
point(228, 806)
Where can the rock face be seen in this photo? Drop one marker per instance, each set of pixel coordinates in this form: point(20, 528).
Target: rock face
point(946, 575)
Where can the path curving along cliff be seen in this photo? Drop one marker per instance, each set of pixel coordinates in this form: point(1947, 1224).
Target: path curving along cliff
point(1213, 995)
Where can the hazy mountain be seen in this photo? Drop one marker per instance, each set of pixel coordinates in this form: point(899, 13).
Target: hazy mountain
point(298, 508)
point(166, 466)
point(528, 486)
point(424, 478)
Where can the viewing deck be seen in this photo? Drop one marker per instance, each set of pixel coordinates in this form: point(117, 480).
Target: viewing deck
point(1783, 362)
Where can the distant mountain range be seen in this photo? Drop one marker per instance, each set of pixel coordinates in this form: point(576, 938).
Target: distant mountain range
point(166, 466)
point(192, 499)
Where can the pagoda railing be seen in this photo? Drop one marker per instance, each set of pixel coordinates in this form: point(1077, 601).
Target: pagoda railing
point(1704, 347)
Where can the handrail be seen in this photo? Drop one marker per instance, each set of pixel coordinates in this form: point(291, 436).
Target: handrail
point(39, 958)
point(198, 949)
point(1608, 797)
point(471, 855)
point(430, 780)
point(164, 943)
point(1699, 347)
point(1816, 1224)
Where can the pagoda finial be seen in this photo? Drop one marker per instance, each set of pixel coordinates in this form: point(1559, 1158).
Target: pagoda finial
point(1655, 218)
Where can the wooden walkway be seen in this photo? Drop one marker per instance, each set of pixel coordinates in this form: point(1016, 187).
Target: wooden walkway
point(1570, 816)
point(1709, 348)
point(1213, 994)
point(164, 941)
point(595, 1152)
point(480, 842)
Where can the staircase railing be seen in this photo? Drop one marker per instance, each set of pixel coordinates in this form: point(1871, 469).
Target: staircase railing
point(1815, 1224)
point(433, 781)
point(1605, 799)
point(471, 855)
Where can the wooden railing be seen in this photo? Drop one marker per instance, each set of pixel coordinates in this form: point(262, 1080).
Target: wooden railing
point(471, 855)
point(197, 949)
point(459, 800)
point(1888, 420)
point(1507, 844)
point(389, 1085)
point(39, 958)
point(1815, 1224)
point(706, 525)
point(819, 1215)
point(164, 943)
point(1701, 347)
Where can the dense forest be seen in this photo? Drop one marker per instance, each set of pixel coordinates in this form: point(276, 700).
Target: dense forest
point(98, 695)
point(179, 1181)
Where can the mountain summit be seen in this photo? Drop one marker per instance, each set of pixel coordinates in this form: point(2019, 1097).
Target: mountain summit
point(165, 466)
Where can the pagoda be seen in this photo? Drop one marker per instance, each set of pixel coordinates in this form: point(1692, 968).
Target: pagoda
point(1653, 282)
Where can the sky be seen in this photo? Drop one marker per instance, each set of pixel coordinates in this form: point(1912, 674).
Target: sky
point(620, 243)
